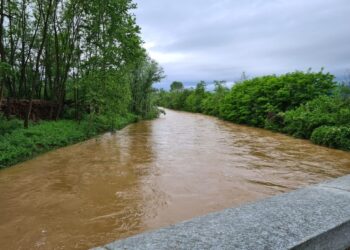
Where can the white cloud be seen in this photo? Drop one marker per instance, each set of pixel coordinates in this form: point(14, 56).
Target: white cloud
point(166, 58)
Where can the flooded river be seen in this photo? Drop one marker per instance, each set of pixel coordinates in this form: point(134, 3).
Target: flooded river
point(151, 174)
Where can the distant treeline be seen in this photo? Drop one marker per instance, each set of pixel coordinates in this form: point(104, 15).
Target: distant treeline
point(303, 104)
point(86, 52)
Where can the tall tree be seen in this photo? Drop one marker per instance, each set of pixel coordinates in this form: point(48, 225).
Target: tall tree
point(82, 51)
point(176, 86)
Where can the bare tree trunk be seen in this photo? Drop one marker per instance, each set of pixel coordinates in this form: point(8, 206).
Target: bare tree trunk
point(2, 17)
point(2, 47)
point(22, 84)
point(36, 74)
point(67, 59)
point(57, 56)
point(13, 43)
point(1, 94)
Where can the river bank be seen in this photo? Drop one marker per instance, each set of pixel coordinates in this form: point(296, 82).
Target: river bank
point(18, 144)
point(335, 137)
point(305, 105)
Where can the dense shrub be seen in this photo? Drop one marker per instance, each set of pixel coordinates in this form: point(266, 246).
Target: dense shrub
point(325, 110)
point(255, 101)
point(7, 126)
point(178, 99)
point(211, 105)
point(194, 101)
point(295, 103)
point(332, 136)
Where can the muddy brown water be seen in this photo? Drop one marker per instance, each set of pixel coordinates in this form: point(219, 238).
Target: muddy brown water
point(151, 174)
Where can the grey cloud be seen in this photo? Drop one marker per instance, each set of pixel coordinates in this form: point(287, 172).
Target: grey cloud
point(218, 39)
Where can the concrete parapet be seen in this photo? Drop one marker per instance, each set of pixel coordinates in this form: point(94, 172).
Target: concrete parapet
point(316, 217)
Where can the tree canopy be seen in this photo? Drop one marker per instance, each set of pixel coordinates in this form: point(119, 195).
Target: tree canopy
point(83, 52)
point(176, 86)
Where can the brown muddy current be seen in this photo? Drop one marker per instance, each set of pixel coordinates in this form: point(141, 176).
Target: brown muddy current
point(149, 175)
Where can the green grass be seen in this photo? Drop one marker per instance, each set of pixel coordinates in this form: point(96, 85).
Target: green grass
point(19, 144)
point(7, 126)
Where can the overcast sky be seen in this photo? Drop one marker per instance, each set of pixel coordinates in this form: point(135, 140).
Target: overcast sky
point(210, 40)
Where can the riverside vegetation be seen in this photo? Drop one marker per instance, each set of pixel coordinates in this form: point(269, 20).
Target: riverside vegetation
point(306, 105)
point(84, 58)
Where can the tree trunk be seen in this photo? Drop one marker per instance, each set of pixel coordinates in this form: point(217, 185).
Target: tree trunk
point(2, 49)
point(36, 74)
point(2, 17)
point(1, 94)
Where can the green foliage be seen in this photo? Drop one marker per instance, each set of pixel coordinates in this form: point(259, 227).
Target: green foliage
point(104, 123)
point(5, 71)
point(332, 136)
point(85, 56)
point(324, 110)
point(303, 104)
point(258, 101)
point(146, 73)
point(111, 95)
point(196, 98)
point(82, 52)
point(178, 98)
point(176, 86)
point(21, 144)
point(211, 104)
point(7, 126)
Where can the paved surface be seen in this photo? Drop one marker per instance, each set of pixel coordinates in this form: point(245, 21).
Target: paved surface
point(316, 217)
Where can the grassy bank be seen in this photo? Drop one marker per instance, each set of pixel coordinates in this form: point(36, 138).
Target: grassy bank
point(305, 105)
point(18, 144)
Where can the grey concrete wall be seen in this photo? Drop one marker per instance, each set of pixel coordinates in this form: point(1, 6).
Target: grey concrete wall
point(316, 217)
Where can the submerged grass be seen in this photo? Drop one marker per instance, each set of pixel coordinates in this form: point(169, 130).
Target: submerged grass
point(19, 144)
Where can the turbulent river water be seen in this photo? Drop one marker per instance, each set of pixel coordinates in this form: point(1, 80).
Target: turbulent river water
point(151, 174)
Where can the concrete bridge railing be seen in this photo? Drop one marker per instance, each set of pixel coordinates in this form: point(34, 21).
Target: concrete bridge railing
point(316, 217)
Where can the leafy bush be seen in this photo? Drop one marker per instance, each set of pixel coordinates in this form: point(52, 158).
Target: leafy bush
point(7, 126)
point(255, 101)
point(122, 121)
point(297, 103)
point(211, 104)
point(325, 110)
point(152, 114)
point(195, 99)
point(332, 136)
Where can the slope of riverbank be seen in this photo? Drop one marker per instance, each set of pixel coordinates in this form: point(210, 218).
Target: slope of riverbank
point(18, 144)
point(305, 105)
